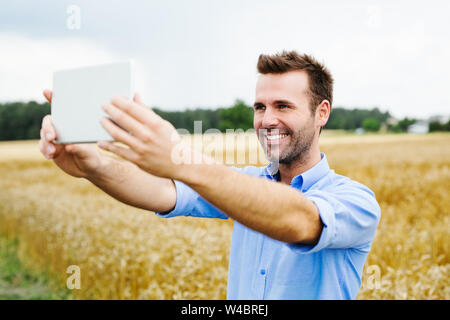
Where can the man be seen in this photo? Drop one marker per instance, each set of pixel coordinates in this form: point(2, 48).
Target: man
point(300, 231)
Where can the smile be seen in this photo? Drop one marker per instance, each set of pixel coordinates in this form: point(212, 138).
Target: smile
point(275, 138)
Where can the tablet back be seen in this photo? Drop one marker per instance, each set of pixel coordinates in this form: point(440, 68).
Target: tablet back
point(78, 95)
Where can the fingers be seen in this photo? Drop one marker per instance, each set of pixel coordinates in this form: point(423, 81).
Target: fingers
point(48, 134)
point(125, 153)
point(46, 147)
point(43, 148)
point(47, 128)
point(127, 122)
point(48, 95)
point(120, 135)
point(137, 110)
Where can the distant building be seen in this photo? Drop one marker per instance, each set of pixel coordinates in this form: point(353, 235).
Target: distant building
point(359, 131)
point(419, 127)
point(391, 121)
point(384, 128)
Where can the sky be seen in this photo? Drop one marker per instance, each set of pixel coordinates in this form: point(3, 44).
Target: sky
point(394, 55)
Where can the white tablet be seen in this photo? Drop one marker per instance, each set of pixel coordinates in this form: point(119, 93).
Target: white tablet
point(78, 95)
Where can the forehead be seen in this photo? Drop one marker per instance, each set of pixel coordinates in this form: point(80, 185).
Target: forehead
point(292, 85)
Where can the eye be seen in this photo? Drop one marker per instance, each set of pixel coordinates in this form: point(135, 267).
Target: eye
point(259, 107)
point(283, 106)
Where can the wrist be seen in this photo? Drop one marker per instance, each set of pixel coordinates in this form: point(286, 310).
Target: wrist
point(103, 171)
point(193, 169)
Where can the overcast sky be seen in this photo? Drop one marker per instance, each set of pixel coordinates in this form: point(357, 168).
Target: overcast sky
point(200, 53)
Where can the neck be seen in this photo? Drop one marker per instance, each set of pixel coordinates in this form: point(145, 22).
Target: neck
point(291, 170)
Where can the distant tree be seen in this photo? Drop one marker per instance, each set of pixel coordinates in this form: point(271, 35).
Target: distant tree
point(350, 119)
point(185, 119)
point(404, 124)
point(239, 116)
point(22, 120)
point(371, 124)
point(435, 126)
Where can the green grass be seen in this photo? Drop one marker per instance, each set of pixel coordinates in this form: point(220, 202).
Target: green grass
point(19, 283)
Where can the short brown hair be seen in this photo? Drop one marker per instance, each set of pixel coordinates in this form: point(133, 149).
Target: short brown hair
point(320, 79)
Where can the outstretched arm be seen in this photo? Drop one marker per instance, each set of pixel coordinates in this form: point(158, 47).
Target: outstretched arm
point(129, 184)
point(121, 179)
point(276, 210)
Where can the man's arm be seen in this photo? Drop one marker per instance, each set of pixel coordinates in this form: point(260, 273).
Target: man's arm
point(121, 179)
point(279, 211)
point(127, 183)
point(155, 146)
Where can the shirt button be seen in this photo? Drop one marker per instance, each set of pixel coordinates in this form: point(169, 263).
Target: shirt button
point(262, 271)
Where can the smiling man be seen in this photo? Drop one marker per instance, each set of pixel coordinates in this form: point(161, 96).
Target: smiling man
point(301, 231)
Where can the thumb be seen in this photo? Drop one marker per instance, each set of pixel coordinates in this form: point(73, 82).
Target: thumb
point(79, 150)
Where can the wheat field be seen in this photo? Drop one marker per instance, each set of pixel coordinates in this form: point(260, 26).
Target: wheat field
point(128, 253)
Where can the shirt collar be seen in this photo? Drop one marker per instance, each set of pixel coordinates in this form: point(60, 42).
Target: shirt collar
point(305, 180)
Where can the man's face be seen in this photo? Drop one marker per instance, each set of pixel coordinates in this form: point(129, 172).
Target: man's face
point(282, 116)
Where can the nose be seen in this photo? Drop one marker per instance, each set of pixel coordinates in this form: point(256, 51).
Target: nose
point(270, 119)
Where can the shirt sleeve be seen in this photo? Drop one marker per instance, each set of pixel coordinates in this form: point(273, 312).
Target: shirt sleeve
point(350, 216)
point(190, 203)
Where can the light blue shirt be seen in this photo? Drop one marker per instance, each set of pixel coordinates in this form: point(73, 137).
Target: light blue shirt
point(263, 268)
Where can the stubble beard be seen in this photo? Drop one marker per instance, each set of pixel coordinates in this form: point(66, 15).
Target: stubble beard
point(297, 150)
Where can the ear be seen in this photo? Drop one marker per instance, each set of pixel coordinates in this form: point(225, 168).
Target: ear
point(323, 113)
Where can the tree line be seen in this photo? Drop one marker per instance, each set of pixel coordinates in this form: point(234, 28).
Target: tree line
point(22, 120)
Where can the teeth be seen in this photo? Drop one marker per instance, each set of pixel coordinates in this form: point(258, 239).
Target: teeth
point(277, 136)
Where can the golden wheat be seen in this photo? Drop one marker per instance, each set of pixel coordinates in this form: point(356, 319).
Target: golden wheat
point(128, 253)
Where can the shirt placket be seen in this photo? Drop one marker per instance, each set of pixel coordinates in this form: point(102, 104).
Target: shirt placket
point(261, 271)
point(263, 267)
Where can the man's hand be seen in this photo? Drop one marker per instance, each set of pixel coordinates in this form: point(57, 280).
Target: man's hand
point(120, 179)
point(154, 145)
point(78, 160)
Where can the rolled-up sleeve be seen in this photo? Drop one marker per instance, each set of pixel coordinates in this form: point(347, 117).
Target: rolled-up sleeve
point(350, 216)
point(190, 203)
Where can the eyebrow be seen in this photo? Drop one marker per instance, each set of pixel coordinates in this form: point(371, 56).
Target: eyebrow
point(283, 102)
point(276, 102)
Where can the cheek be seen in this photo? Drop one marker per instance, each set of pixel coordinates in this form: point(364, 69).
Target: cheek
point(303, 127)
point(311, 125)
point(256, 122)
